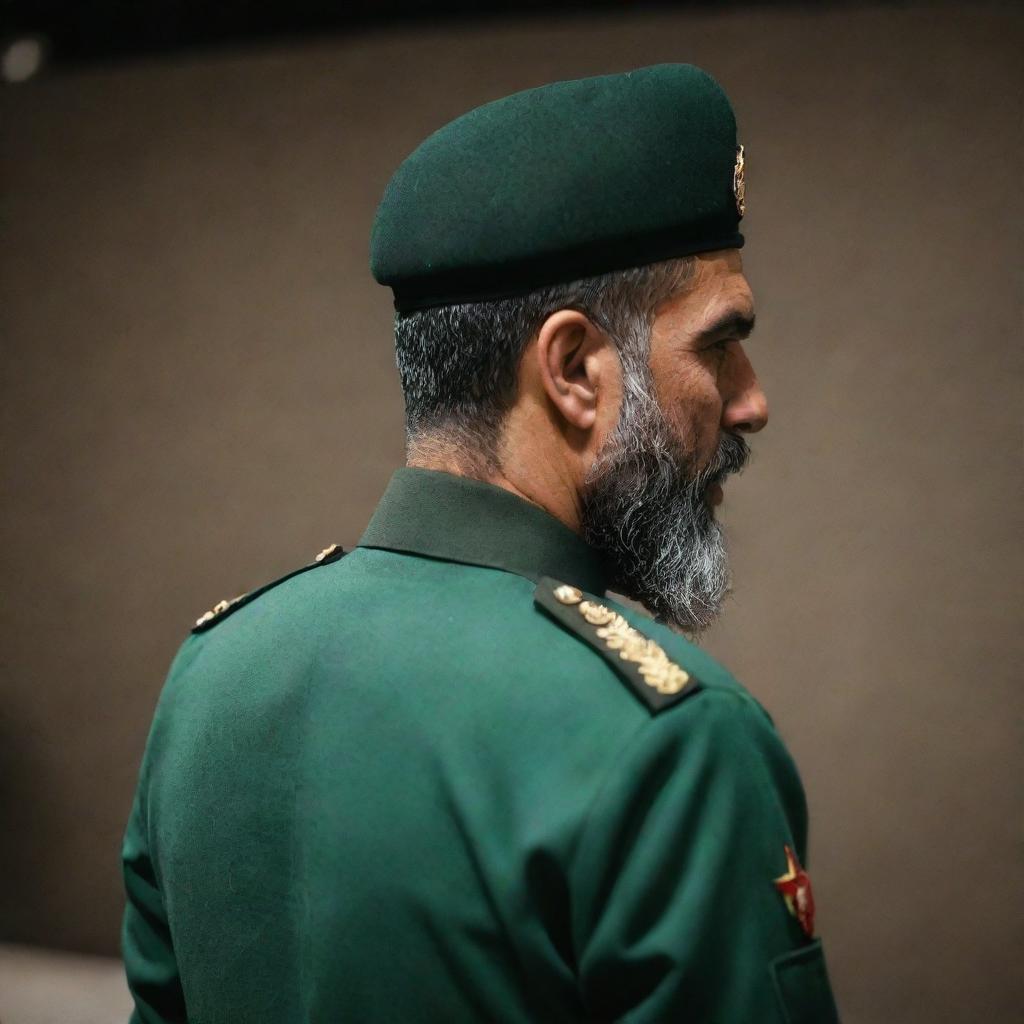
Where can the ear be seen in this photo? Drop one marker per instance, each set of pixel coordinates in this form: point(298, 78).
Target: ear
point(577, 365)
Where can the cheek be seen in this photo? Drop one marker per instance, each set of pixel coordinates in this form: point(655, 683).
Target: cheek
point(692, 404)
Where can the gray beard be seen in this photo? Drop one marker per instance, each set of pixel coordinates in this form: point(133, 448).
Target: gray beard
point(645, 507)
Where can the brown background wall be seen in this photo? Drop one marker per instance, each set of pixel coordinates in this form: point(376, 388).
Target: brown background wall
point(199, 394)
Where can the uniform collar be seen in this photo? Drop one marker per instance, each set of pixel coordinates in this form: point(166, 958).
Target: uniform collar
point(454, 518)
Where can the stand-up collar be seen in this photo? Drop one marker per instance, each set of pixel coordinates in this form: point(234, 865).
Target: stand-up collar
point(424, 512)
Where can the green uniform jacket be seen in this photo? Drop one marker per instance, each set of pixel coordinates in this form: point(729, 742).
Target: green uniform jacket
point(413, 784)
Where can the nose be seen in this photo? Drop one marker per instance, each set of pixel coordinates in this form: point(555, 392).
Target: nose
point(745, 409)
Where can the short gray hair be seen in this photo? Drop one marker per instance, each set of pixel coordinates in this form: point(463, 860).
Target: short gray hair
point(459, 364)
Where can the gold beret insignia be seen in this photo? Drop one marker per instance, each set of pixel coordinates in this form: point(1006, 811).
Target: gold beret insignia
point(739, 182)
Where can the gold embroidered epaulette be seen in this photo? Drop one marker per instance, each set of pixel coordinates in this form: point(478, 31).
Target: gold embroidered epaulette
point(657, 680)
point(222, 609)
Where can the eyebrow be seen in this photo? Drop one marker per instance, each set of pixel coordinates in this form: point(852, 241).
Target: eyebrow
point(732, 322)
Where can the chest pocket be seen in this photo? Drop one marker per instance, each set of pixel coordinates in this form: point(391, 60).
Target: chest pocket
point(802, 987)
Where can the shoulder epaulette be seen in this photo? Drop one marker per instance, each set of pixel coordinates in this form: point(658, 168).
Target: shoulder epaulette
point(657, 680)
point(222, 609)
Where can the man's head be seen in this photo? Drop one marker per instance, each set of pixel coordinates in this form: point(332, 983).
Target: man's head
point(615, 398)
point(648, 500)
point(618, 402)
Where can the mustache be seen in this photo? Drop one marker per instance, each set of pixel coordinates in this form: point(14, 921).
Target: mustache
point(731, 456)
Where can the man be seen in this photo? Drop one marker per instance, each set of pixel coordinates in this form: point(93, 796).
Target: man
point(446, 778)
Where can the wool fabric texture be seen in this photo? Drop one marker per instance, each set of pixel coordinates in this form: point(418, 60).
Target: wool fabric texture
point(560, 182)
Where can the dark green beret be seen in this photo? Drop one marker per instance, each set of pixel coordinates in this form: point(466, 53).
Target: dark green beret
point(561, 182)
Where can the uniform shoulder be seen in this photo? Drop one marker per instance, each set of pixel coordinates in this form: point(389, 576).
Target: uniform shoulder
point(660, 667)
point(223, 609)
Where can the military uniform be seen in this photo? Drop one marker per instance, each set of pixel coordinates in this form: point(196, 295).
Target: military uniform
point(445, 778)
point(417, 784)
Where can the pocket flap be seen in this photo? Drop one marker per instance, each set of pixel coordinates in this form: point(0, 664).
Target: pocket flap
point(802, 986)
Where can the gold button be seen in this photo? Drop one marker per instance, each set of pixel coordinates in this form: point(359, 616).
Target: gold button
point(568, 595)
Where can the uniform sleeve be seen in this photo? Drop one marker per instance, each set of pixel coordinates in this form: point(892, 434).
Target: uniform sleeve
point(676, 915)
point(145, 936)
